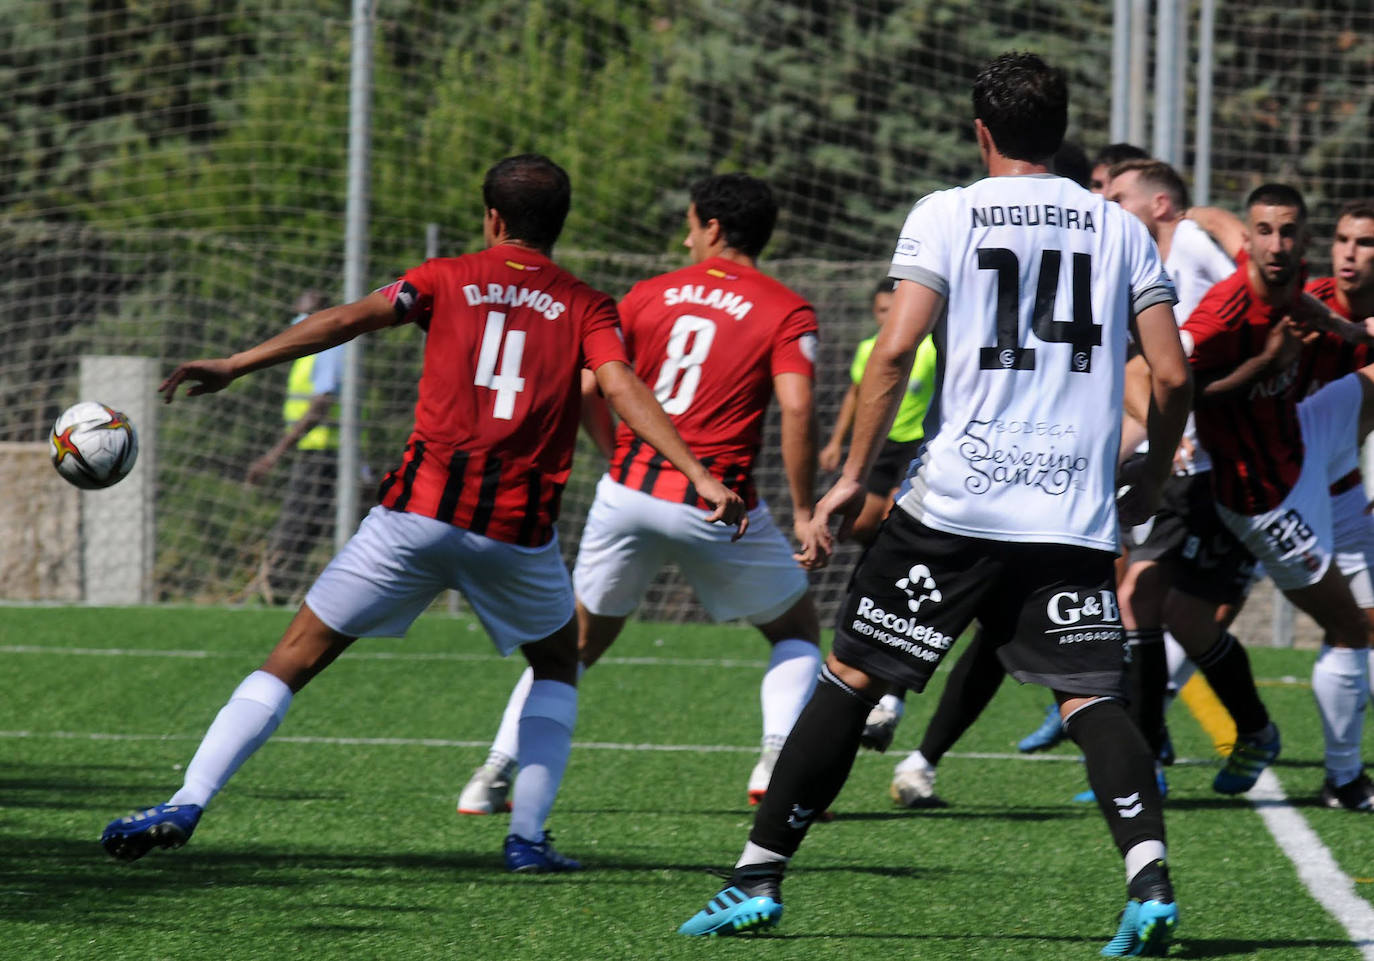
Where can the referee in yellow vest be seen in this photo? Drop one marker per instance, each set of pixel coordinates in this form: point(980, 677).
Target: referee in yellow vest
point(310, 416)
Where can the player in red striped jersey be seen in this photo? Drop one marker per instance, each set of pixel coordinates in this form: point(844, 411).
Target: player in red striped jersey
point(717, 339)
point(1274, 458)
point(1350, 295)
point(473, 503)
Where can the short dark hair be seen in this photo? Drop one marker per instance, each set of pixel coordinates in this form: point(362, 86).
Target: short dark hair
point(1071, 161)
point(532, 194)
point(1024, 103)
point(885, 286)
point(1277, 195)
point(742, 205)
point(1361, 209)
point(1157, 175)
point(1115, 153)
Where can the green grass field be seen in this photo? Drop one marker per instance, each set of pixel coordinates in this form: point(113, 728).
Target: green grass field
point(339, 838)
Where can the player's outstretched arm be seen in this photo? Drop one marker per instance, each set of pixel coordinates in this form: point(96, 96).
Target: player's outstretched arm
point(320, 331)
point(632, 400)
point(1225, 228)
point(1171, 398)
point(1311, 312)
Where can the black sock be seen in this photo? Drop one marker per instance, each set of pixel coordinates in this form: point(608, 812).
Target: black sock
point(760, 880)
point(1151, 883)
point(1121, 772)
point(1147, 677)
point(1227, 669)
point(813, 765)
point(973, 681)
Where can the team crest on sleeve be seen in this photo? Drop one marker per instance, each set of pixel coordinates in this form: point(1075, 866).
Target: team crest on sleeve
point(807, 343)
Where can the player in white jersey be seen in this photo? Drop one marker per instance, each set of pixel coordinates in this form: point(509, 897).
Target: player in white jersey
point(1187, 571)
point(1028, 283)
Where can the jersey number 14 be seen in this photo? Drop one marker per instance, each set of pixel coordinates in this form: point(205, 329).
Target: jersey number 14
point(1080, 333)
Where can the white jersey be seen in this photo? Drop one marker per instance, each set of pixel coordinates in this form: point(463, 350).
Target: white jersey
point(1194, 264)
point(1041, 279)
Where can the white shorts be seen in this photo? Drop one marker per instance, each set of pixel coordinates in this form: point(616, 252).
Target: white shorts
point(1295, 541)
point(630, 535)
point(397, 563)
point(1353, 535)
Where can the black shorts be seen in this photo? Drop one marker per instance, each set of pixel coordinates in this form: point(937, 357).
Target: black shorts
point(1050, 608)
point(889, 469)
point(1205, 559)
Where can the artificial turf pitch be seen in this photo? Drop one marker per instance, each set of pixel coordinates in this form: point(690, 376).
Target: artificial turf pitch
point(339, 838)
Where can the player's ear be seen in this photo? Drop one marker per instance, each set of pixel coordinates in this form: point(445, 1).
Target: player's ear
point(715, 233)
point(984, 138)
point(493, 227)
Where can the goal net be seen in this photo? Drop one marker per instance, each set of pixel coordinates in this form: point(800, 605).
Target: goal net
point(173, 178)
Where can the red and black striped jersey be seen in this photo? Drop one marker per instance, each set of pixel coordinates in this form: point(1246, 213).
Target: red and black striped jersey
point(709, 339)
point(1338, 357)
point(508, 333)
point(1252, 434)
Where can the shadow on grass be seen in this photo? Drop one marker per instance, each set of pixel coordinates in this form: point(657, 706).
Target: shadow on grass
point(967, 813)
point(1183, 948)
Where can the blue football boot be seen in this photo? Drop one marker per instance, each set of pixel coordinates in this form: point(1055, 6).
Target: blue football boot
point(536, 857)
point(163, 826)
point(751, 901)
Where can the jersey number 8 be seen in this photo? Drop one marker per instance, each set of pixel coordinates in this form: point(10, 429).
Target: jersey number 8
point(688, 344)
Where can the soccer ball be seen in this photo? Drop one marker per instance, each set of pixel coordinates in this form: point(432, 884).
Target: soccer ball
point(93, 446)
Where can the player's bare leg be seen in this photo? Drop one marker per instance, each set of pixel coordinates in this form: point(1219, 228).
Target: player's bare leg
point(595, 634)
point(243, 725)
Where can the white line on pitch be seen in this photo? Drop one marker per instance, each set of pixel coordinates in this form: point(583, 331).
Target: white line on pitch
point(581, 745)
point(457, 656)
point(1318, 870)
point(359, 655)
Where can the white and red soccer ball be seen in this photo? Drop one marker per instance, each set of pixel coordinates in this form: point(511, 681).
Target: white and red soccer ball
point(93, 446)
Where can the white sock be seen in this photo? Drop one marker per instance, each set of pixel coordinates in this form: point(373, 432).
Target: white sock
point(915, 761)
point(786, 687)
point(753, 854)
point(1181, 667)
point(1340, 685)
point(242, 726)
point(546, 729)
point(1143, 855)
point(506, 747)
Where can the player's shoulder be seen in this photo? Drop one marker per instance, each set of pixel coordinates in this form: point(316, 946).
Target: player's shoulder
point(1226, 302)
point(933, 204)
point(1323, 288)
point(697, 282)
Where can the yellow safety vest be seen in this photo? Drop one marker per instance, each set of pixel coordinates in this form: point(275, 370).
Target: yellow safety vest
point(299, 392)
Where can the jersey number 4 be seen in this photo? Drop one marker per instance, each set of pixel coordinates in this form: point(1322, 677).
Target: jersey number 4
point(511, 349)
point(1080, 333)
